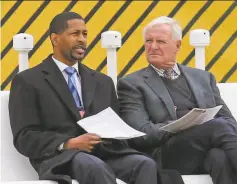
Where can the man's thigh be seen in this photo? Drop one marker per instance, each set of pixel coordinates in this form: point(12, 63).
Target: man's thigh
point(84, 165)
point(124, 166)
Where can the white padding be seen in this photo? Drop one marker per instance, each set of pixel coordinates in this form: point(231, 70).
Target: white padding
point(229, 95)
point(15, 167)
point(30, 182)
point(197, 179)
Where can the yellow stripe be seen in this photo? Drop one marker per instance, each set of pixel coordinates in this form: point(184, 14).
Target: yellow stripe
point(95, 25)
point(233, 77)
point(123, 24)
point(82, 7)
point(119, 25)
point(6, 6)
point(42, 23)
point(185, 15)
point(206, 21)
point(225, 62)
point(17, 20)
point(135, 41)
point(222, 34)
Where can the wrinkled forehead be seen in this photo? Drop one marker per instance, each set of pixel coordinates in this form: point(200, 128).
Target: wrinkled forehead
point(159, 30)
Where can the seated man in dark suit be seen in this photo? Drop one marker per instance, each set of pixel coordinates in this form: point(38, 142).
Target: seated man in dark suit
point(164, 91)
point(47, 101)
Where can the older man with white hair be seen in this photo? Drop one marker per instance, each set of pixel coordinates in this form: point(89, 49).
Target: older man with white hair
point(165, 91)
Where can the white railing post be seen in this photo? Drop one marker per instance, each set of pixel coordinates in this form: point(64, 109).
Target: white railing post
point(23, 43)
point(199, 38)
point(111, 40)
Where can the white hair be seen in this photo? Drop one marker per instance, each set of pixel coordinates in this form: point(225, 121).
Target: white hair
point(175, 26)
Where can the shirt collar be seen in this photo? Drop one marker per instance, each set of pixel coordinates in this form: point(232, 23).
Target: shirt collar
point(62, 65)
point(161, 71)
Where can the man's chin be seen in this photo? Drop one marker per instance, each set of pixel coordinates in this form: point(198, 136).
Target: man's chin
point(79, 57)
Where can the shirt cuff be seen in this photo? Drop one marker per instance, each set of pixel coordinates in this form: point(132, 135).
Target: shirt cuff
point(60, 147)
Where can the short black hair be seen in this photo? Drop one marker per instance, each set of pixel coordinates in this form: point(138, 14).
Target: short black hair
point(59, 23)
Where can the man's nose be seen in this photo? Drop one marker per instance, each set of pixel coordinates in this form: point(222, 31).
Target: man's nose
point(81, 38)
point(154, 45)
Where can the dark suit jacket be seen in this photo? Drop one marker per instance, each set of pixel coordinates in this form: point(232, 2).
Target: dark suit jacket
point(43, 115)
point(146, 105)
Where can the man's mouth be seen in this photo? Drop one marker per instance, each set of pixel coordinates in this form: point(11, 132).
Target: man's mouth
point(80, 49)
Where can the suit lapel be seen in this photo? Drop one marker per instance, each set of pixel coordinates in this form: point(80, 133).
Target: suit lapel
point(154, 81)
point(194, 86)
point(56, 80)
point(88, 81)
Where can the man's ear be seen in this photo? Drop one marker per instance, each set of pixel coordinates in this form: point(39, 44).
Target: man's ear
point(54, 39)
point(178, 45)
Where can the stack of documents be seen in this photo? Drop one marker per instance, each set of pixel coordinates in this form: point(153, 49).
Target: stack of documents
point(195, 117)
point(107, 124)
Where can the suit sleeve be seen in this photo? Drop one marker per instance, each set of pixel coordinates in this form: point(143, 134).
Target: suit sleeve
point(224, 111)
point(134, 113)
point(29, 136)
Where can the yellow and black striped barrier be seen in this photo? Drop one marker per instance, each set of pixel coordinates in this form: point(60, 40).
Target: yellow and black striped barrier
point(128, 17)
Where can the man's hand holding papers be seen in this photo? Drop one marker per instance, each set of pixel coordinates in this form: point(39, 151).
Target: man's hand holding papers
point(84, 142)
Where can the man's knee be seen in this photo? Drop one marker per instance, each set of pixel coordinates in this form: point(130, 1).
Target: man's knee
point(87, 162)
point(148, 162)
point(221, 123)
point(215, 158)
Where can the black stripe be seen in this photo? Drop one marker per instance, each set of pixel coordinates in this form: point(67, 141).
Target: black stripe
point(196, 17)
point(141, 50)
point(212, 30)
point(130, 31)
point(223, 17)
point(70, 6)
point(189, 57)
point(93, 11)
point(107, 26)
point(10, 12)
point(25, 27)
point(9, 78)
point(221, 51)
point(230, 72)
point(177, 7)
point(37, 45)
point(131, 62)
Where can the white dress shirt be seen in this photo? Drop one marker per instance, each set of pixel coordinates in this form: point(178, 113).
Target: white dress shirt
point(76, 82)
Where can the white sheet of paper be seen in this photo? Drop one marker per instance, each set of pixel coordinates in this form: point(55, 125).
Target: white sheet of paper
point(107, 124)
point(195, 117)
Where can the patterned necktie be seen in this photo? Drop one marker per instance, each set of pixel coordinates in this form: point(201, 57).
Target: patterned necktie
point(168, 74)
point(70, 71)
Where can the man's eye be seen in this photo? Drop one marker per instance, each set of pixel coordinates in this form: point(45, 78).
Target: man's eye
point(148, 41)
point(161, 41)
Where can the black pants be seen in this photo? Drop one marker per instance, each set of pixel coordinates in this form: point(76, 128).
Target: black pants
point(132, 169)
point(218, 166)
point(190, 151)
